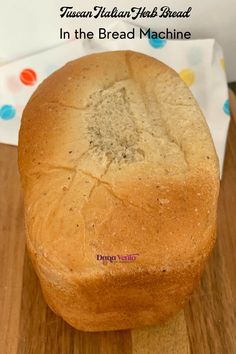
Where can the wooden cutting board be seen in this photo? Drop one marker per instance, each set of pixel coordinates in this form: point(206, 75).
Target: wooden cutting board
point(27, 325)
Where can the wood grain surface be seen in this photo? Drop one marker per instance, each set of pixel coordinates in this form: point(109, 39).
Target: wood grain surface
point(28, 326)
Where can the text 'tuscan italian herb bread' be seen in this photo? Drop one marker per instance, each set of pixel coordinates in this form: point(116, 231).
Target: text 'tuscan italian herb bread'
point(120, 181)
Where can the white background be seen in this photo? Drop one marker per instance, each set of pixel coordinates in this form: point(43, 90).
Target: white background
point(28, 26)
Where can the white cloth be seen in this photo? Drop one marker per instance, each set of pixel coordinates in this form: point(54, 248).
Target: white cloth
point(199, 63)
point(31, 26)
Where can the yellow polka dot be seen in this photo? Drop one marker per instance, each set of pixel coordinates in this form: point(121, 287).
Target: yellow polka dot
point(188, 76)
point(222, 63)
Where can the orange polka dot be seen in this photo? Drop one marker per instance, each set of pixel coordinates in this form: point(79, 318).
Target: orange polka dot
point(28, 77)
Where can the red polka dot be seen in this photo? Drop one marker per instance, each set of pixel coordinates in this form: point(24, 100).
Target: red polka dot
point(28, 77)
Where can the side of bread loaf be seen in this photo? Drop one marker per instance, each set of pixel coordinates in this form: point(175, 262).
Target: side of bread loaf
point(120, 181)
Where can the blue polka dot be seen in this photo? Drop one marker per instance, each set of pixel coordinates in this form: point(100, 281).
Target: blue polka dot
point(157, 42)
point(226, 107)
point(195, 55)
point(7, 112)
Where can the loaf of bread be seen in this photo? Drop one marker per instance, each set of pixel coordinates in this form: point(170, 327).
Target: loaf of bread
point(120, 180)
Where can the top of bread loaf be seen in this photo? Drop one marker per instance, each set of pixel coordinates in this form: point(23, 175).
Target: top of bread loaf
point(116, 158)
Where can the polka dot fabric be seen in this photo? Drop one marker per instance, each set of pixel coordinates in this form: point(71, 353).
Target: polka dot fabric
point(188, 76)
point(157, 42)
point(199, 63)
point(226, 107)
point(7, 111)
point(28, 77)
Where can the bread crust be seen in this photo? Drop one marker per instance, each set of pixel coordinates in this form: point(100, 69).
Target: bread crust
point(116, 158)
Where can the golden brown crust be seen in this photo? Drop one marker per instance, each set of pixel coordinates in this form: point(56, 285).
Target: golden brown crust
point(115, 158)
